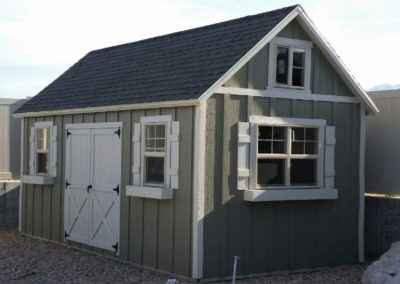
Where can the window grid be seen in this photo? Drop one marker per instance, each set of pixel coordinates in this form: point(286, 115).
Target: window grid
point(291, 66)
point(42, 150)
point(288, 155)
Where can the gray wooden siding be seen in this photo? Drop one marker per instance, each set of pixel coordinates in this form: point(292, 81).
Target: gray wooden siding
point(10, 136)
point(272, 236)
point(153, 233)
point(324, 79)
point(383, 153)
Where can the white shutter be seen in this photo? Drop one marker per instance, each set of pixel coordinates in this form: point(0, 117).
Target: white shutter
point(173, 156)
point(32, 152)
point(53, 151)
point(243, 156)
point(330, 141)
point(136, 154)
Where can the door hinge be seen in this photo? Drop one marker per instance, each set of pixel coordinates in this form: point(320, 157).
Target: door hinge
point(118, 132)
point(115, 247)
point(67, 184)
point(66, 235)
point(68, 133)
point(116, 189)
point(89, 187)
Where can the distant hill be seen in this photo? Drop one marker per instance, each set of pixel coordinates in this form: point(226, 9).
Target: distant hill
point(383, 87)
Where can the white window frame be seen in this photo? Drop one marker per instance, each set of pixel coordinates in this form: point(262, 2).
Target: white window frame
point(294, 45)
point(37, 126)
point(154, 120)
point(288, 123)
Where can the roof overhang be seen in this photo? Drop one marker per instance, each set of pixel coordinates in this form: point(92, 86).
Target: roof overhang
point(317, 38)
point(152, 105)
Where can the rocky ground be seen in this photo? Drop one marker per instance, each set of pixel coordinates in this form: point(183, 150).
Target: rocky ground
point(23, 260)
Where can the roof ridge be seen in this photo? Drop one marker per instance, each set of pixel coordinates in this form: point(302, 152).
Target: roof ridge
point(194, 29)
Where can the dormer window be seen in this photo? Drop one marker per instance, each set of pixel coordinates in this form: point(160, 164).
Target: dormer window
point(290, 64)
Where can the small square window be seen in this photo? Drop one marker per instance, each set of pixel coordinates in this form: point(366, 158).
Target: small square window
point(155, 138)
point(154, 170)
point(42, 151)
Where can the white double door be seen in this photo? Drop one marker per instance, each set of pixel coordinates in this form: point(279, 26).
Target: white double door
point(92, 184)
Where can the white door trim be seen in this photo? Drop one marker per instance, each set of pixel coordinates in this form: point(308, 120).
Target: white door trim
point(93, 125)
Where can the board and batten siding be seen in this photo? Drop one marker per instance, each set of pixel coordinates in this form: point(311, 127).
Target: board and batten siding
point(271, 236)
point(154, 233)
point(324, 79)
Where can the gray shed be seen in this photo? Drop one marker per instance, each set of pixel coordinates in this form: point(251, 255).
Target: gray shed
point(244, 138)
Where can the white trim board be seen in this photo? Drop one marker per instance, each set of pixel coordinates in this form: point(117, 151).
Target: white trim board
point(285, 94)
point(96, 125)
point(290, 194)
point(166, 104)
point(198, 190)
point(317, 38)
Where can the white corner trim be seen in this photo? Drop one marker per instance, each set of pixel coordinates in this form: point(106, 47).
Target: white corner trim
point(286, 94)
point(250, 54)
point(149, 192)
point(180, 103)
point(361, 167)
point(21, 173)
point(37, 179)
point(286, 121)
point(198, 190)
point(289, 194)
point(156, 119)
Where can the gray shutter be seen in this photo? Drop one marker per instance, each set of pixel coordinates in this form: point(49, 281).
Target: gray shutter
point(32, 151)
point(136, 154)
point(243, 156)
point(53, 151)
point(330, 142)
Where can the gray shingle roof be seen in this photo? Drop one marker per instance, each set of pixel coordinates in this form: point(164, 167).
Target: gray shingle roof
point(178, 66)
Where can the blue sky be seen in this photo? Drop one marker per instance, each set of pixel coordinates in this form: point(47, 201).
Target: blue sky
point(41, 39)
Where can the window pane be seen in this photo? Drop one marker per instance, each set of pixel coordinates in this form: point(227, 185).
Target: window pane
point(42, 163)
point(264, 132)
point(42, 139)
point(311, 148)
point(278, 147)
point(298, 59)
point(297, 147)
point(154, 170)
point(155, 138)
point(264, 147)
point(311, 134)
point(298, 77)
point(282, 61)
point(270, 171)
point(298, 134)
point(279, 133)
point(303, 172)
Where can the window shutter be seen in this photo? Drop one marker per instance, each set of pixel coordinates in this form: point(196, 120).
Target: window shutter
point(173, 156)
point(53, 151)
point(32, 152)
point(136, 154)
point(330, 141)
point(243, 156)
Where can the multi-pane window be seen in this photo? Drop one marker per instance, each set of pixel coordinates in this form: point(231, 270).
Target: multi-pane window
point(287, 156)
point(154, 154)
point(290, 66)
point(42, 151)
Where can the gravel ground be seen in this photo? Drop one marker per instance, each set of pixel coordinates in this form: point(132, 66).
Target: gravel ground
point(23, 260)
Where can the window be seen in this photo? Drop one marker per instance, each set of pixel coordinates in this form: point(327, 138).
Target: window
point(154, 154)
point(291, 64)
point(42, 150)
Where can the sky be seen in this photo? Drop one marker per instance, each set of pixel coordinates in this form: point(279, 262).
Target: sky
point(40, 39)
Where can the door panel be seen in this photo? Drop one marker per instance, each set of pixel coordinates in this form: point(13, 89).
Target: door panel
point(78, 172)
point(93, 157)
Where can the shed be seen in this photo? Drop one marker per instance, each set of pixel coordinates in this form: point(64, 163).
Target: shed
point(243, 138)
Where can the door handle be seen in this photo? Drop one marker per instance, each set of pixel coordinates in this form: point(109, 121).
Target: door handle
point(89, 187)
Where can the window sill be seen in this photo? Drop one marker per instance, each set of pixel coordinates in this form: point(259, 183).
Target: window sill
point(159, 193)
point(38, 179)
point(290, 194)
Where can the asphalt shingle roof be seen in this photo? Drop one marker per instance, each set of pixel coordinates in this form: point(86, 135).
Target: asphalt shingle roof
point(178, 66)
